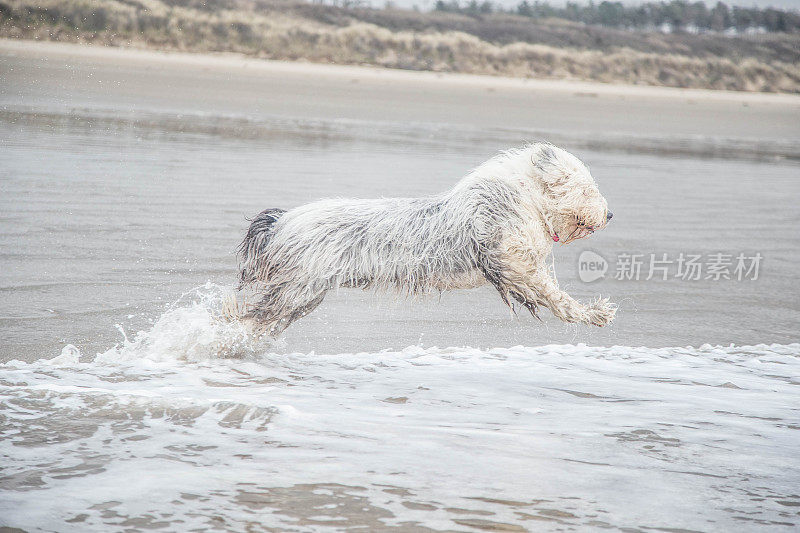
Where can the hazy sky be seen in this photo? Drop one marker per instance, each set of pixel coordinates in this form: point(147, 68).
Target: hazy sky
point(427, 4)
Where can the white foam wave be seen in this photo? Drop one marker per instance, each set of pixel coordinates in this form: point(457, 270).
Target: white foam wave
point(167, 430)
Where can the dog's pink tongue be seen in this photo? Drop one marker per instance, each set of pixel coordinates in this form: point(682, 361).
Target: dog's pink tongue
point(555, 237)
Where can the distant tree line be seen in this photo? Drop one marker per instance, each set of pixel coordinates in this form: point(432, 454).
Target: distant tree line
point(676, 15)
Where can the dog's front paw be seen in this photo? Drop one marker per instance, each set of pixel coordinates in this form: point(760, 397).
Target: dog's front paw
point(601, 313)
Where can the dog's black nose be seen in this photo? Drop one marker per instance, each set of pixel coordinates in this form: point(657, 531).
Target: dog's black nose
point(609, 216)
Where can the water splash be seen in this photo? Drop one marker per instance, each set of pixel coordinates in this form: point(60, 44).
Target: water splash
point(202, 324)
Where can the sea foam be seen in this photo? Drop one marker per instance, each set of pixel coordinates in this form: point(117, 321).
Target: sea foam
point(190, 424)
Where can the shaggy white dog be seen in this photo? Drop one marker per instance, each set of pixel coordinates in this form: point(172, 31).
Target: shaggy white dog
point(497, 225)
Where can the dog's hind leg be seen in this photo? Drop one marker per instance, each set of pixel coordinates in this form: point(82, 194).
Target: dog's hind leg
point(279, 307)
point(296, 314)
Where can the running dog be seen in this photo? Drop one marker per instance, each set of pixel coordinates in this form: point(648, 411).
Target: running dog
point(497, 225)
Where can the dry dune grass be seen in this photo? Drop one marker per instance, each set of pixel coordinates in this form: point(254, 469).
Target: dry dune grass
point(283, 31)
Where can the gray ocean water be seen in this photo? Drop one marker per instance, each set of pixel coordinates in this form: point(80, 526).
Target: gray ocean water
point(107, 218)
point(118, 226)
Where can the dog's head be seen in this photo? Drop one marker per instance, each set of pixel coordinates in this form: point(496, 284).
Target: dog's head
point(574, 205)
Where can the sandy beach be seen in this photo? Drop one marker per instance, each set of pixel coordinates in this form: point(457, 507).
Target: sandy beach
point(43, 72)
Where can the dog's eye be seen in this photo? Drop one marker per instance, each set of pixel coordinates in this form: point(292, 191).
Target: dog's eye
point(580, 221)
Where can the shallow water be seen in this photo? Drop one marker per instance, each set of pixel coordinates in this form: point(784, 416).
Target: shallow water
point(116, 220)
point(160, 433)
point(107, 220)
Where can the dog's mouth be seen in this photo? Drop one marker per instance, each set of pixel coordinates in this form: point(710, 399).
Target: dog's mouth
point(579, 232)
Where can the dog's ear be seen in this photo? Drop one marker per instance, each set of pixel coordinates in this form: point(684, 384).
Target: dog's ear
point(544, 156)
point(552, 171)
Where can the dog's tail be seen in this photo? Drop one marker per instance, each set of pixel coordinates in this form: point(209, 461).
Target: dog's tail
point(253, 248)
